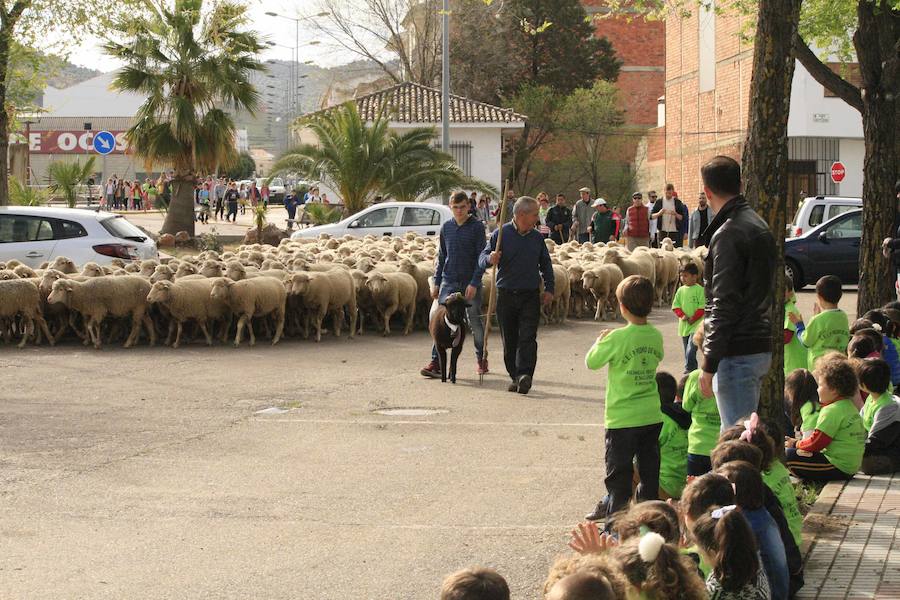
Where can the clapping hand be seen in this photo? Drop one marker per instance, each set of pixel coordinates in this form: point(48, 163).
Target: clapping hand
point(587, 539)
point(603, 334)
point(795, 318)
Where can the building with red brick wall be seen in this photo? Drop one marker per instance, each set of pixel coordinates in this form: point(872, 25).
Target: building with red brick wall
point(707, 96)
point(640, 44)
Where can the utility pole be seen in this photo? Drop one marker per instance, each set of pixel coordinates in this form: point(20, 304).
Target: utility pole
point(445, 82)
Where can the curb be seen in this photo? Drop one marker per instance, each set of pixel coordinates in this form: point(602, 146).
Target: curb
point(823, 506)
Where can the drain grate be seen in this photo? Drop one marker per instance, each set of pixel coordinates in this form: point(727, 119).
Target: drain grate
point(410, 412)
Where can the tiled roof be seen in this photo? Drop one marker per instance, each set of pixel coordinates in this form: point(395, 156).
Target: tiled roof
point(413, 103)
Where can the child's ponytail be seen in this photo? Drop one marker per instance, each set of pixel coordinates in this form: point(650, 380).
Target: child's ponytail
point(800, 387)
point(659, 570)
point(726, 537)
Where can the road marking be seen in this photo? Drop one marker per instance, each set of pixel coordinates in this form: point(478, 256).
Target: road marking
point(458, 423)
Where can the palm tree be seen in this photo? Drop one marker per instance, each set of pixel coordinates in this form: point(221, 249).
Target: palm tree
point(192, 65)
point(25, 195)
point(360, 160)
point(67, 176)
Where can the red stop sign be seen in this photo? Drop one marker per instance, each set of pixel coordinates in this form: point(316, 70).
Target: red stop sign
point(838, 171)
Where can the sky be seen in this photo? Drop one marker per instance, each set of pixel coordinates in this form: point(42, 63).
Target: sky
point(279, 30)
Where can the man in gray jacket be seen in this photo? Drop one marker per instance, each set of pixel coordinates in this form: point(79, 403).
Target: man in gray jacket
point(700, 219)
point(583, 213)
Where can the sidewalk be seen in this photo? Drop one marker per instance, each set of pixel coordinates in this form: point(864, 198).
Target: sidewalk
point(152, 220)
point(850, 537)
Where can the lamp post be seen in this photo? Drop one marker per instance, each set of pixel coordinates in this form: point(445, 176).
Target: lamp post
point(296, 57)
point(445, 82)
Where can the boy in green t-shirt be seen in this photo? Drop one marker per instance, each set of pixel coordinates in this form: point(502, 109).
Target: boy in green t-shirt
point(794, 353)
point(705, 421)
point(688, 305)
point(829, 329)
point(673, 439)
point(835, 449)
point(632, 412)
point(881, 418)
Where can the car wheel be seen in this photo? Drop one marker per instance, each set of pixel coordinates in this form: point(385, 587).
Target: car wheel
point(793, 271)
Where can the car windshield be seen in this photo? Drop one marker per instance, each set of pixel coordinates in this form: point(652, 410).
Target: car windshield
point(121, 228)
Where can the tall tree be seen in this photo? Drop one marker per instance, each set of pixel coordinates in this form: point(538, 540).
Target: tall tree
point(590, 119)
point(875, 45)
point(765, 162)
point(28, 23)
point(190, 63)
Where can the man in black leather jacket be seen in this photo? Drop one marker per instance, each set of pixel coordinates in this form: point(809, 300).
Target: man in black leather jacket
point(739, 277)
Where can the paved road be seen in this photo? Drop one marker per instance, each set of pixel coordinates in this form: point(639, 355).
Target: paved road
point(156, 473)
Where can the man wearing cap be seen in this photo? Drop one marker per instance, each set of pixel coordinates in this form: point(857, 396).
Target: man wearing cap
point(637, 223)
point(583, 214)
point(602, 228)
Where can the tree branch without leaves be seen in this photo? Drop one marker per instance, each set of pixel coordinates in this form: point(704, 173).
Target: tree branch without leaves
point(833, 82)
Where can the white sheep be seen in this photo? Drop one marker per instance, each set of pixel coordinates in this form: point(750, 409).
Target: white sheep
point(190, 300)
point(21, 298)
point(100, 297)
point(256, 297)
point(393, 292)
point(323, 293)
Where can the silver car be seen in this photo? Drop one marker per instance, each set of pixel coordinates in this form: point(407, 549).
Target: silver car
point(386, 219)
point(35, 234)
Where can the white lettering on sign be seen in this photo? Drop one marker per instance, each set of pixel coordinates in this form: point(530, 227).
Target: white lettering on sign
point(85, 140)
point(67, 141)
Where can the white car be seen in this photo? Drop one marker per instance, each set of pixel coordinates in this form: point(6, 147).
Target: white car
point(35, 234)
point(276, 188)
point(815, 210)
point(386, 219)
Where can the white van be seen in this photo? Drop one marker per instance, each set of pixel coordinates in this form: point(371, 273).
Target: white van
point(815, 210)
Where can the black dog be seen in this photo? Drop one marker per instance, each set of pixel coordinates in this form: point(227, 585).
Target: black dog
point(448, 330)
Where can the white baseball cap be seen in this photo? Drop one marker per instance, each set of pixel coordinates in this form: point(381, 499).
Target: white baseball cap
point(599, 202)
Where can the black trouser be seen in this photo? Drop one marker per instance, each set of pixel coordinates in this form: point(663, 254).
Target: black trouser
point(622, 447)
point(812, 468)
point(232, 211)
point(220, 208)
point(518, 313)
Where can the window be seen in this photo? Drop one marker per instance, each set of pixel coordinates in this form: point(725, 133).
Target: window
point(849, 71)
point(120, 228)
point(839, 209)
point(21, 228)
point(383, 217)
point(816, 215)
point(850, 227)
point(420, 216)
point(68, 229)
point(707, 47)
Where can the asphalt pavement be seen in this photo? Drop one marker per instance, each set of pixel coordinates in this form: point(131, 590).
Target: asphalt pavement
point(289, 472)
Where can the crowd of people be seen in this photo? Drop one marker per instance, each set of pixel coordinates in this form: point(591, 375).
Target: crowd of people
point(698, 502)
point(122, 194)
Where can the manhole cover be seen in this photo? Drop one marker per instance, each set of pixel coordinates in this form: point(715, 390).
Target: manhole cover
point(410, 412)
point(272, 410)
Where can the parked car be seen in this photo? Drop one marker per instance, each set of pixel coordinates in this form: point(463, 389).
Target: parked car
point(815, 210)
point(34, 234)
point(386, 219)
point(276, 189)
point(832, 248)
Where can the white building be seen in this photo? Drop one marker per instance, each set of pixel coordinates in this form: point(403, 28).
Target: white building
point(476, 129)
point(823, 129)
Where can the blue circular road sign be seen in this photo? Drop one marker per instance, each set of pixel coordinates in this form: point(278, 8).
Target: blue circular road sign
point(104, 142)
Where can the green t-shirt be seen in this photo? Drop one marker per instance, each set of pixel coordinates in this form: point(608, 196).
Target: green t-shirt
point(673, 447)
point(826, 331)
point(689, 298)
point(778, 478)
point(705, 421)
point(872, 406)
point(632, 352)
point(841, 422)
point(794, 352)
point(809, 415)
point(692, 552)
point(896, 343)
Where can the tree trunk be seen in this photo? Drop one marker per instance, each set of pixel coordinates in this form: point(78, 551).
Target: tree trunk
point(765, 168)
point(180, 216)
point(876, 41)
point(4, 117)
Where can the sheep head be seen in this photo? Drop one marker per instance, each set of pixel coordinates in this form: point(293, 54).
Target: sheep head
point(92, 269)
point(376, 281)
point(221, 289)
point(211, 268)
point(60, 291)
point(235, 270)
point(161, 291)
point(299, 283)
point(6, 274)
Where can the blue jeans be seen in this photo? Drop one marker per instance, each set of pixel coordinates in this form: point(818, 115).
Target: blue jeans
point(690, 354)
point(473, 314)
point(737, 384)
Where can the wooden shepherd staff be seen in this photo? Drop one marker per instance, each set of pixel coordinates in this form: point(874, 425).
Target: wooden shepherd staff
point(492, 299)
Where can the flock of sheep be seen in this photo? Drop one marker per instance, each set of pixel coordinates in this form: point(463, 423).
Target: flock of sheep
point(291, 289)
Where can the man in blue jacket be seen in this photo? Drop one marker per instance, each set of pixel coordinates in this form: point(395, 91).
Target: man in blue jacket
point(457, 269)
point(522, 263)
